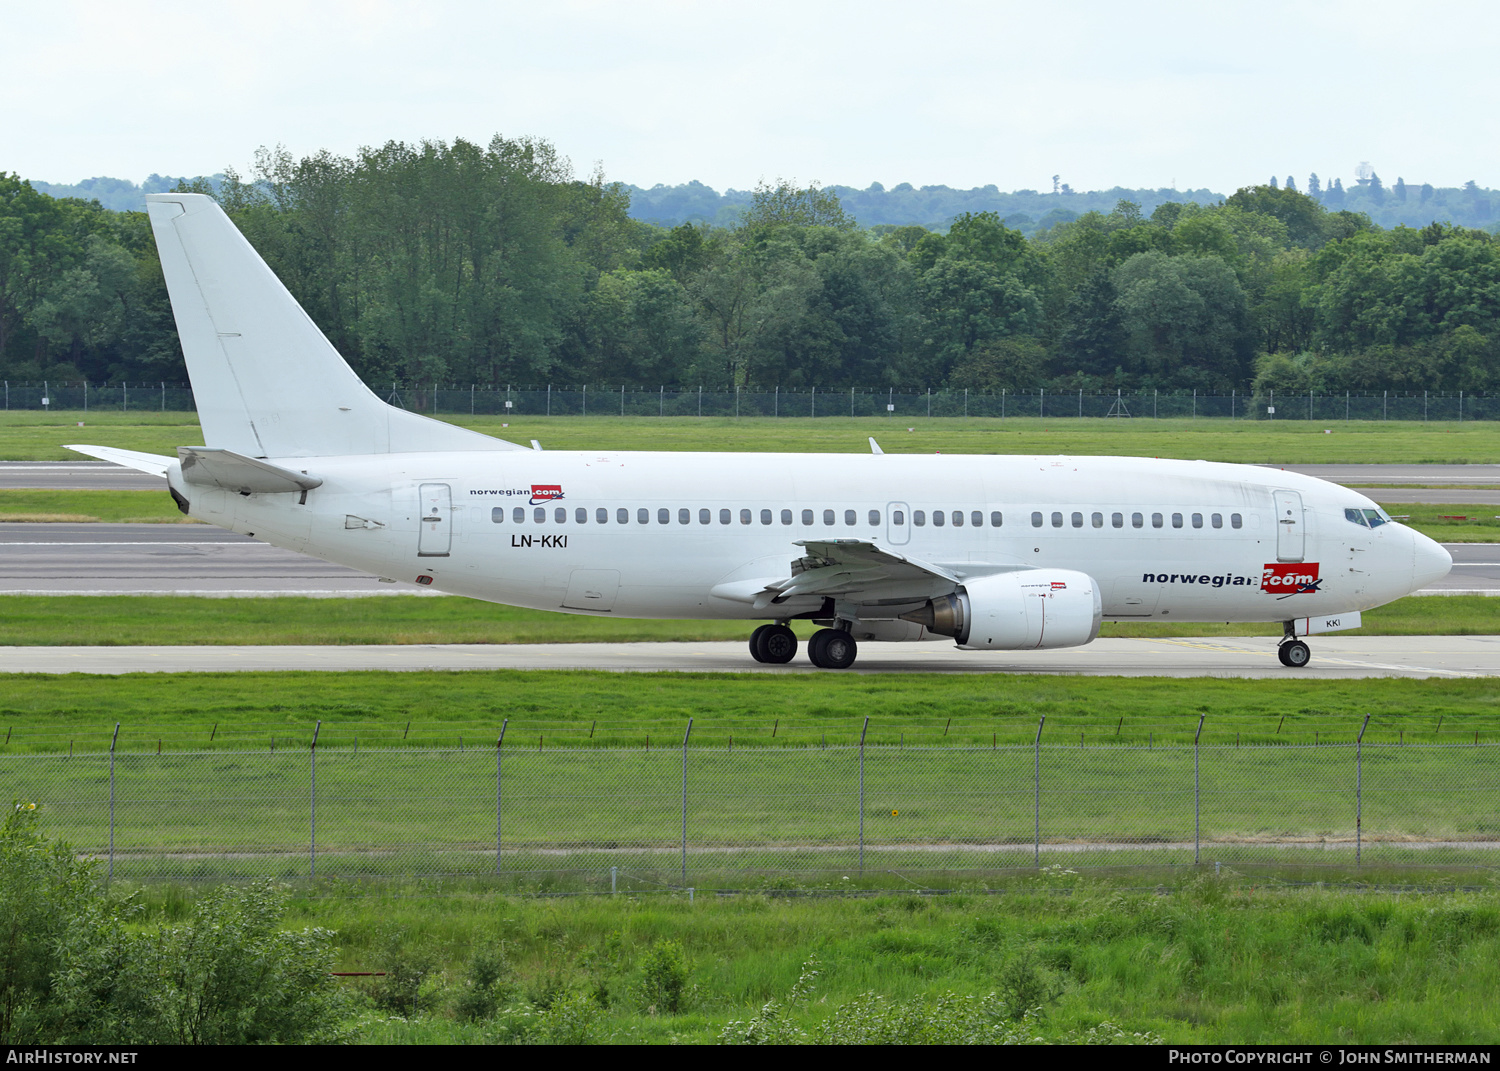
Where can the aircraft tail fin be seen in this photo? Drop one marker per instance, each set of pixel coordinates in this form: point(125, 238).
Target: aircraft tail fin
point(266, 381)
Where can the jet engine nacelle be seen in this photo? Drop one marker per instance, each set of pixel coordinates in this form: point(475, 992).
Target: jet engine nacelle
point(1021, 611)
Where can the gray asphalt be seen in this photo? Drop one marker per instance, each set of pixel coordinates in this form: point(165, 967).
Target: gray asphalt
point(199, 559)
point(1334, 656)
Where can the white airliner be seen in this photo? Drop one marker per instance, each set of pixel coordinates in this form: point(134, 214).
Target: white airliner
point(1000, 553)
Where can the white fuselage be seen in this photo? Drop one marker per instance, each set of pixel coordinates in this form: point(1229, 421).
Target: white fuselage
point(685, 535)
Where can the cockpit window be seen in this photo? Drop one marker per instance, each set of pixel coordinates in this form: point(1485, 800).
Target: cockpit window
point(1376, 517)
point(1355, 516)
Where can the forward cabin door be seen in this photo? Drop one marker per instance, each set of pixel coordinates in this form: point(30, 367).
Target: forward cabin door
point(435, 525)
point(1291, 528)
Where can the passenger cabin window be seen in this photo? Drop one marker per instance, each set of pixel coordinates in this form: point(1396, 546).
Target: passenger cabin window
point(1218, 520)
point(958, 518)
point(807, 516)
point(581, 515)
point(1236, 521)
point(1176, 520)
point(518, 514)
point(724, 517)
point(898, 517)
point(601, 515)
point(663, 516)
point(1197, 520)
point(540, 514)
point(765, 516)
point(939, 518)
point(704, 516)
point(622, 515)
point(828, 516)
point(786, 516)
point(1156, 520)
point(744, 516)
point(1138, 521)
point(919, 518)
point(498, 514)
point(560, 515)
point(1057, 520)
point(643, 515)
point(874, 517)
point(976, 519)
point(997, 519)
point(1036, 520)
point(684, 516)
point(851, 518)
point(1077, 520)
point(1118, 520)
point(1097, 520)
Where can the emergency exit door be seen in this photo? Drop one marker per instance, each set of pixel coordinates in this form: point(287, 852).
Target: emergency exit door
point(435, 525)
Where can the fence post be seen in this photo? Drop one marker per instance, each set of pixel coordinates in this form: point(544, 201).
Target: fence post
point(622, 400)
point(112, 741)
point(499, 743)
point(1037, 783)
point(585, 400)
point(312, 846)
point(1197, 810)
point(549, 399)
point(686, 733)
point(1359, 801)
point(862, 733)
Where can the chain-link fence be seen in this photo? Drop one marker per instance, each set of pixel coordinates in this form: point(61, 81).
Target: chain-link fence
point(688, 810)
point(473, 400)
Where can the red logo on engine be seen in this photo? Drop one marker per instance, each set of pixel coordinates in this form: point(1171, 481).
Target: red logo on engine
point(1059, 585)
point(1291, 578)
point(545, 492)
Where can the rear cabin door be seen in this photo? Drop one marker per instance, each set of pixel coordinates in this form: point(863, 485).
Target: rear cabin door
point(435, 531)
point(1291, 528)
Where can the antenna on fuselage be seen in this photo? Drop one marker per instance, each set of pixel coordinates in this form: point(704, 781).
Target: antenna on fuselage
point(875, 446)
point(536, 445)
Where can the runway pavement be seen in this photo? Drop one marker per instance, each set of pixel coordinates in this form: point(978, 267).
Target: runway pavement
point(1334, 656)
point(75, 476)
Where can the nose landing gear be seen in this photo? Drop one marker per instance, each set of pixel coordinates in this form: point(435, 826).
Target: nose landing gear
point(1292, 652)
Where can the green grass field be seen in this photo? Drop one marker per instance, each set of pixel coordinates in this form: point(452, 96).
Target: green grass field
point(1194, 959)
point(28, 436)
point(193, 711)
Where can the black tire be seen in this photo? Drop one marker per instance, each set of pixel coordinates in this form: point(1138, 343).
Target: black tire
point(1294, 655)
point(778, 644)
point(832, 648)
point(757, 643)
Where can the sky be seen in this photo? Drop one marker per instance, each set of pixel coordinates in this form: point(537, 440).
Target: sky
point(1154, 94)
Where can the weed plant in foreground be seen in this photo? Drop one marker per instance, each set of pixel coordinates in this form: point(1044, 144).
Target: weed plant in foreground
point(1051, 956)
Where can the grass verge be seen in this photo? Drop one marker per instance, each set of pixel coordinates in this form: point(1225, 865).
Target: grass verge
point(28, 436)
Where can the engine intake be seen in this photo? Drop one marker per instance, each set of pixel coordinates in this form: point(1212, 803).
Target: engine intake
point(1028, 610)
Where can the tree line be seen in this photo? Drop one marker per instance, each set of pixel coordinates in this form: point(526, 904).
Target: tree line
point(495, 264)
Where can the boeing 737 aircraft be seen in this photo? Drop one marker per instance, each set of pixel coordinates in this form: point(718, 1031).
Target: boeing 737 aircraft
point(1000, 553)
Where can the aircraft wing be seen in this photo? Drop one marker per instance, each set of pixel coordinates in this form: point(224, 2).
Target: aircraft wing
point(152, 464)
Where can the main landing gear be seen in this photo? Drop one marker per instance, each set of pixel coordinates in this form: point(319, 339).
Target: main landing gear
point(829, 648)
point(1292, 652)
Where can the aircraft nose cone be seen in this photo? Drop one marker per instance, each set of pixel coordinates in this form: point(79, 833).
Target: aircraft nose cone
point(1430, 562)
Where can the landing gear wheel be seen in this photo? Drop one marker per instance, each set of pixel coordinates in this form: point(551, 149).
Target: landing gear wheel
point(778, 644)
point(1294, 654)
point(832, 648)
point(757, 643)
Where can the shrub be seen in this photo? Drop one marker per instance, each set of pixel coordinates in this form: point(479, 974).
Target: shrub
point(487, 983)
point(664, 976)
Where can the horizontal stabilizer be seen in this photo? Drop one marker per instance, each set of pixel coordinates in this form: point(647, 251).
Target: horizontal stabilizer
point(207, 466)
point(151, 464)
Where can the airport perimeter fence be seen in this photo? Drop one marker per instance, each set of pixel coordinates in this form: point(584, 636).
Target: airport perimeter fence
point(455, 400)
point(689, 814)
